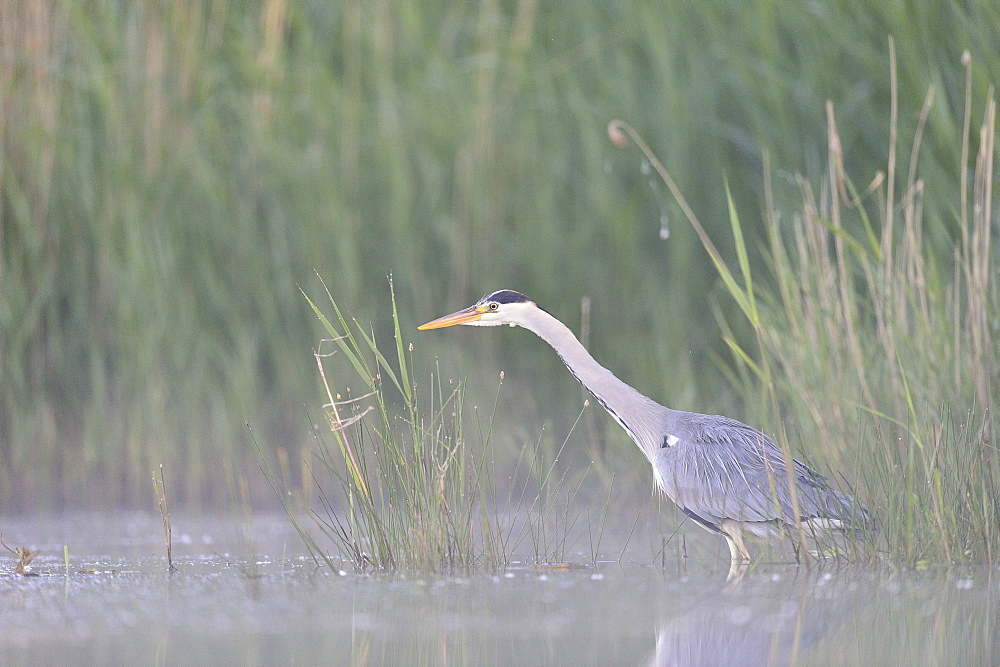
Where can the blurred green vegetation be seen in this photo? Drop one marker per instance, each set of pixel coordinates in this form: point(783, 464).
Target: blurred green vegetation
point(171, 172)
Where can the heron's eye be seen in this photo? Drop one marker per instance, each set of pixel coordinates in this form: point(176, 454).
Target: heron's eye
point(494, 305)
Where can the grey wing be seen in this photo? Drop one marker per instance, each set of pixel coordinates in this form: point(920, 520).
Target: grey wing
point(723, 469)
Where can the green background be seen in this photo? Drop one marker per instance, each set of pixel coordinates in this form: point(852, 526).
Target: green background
point(171, 174)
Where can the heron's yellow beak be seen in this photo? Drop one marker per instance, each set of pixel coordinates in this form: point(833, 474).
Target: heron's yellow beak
point(464, 316)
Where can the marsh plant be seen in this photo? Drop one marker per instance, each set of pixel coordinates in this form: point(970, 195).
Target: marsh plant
point(405, 481)
point(888, 349)
point(171, 171)
point(877, 350)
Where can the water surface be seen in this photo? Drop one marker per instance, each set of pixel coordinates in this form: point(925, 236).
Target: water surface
point(235, 600)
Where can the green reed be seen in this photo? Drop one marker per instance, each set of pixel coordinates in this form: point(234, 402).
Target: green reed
point(170, 172)
point(878, 353)
point(407, 482)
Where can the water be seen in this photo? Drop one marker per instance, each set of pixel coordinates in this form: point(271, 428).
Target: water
point(260, 601)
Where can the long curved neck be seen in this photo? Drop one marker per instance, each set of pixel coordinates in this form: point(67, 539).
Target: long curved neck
point(639, 415)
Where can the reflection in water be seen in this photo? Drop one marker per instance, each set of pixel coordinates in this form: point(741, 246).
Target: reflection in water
point(754, 624)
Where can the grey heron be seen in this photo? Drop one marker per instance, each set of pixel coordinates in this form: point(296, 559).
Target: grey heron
point(726, 476)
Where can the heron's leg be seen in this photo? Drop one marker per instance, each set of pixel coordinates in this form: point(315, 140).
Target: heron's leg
point(734, 536)
point(737, 570)
point(734, 552)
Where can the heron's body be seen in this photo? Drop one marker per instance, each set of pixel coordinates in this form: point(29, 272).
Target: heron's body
point(728, 477)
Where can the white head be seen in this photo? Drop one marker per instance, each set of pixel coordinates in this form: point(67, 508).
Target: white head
point(501, 307)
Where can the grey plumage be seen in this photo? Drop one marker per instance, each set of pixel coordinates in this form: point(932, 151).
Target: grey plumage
point(727, 476)
point(721, 469)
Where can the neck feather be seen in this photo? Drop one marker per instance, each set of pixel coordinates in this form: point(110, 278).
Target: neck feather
point(640, 416)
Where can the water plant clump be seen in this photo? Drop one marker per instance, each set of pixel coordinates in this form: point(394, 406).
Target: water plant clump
point(404, 488)
point(399, 486)
point(886, 350)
